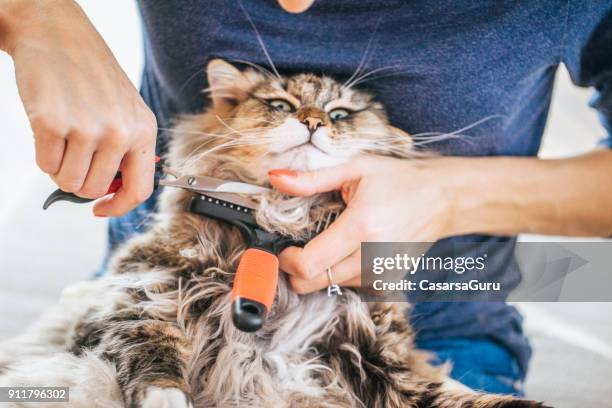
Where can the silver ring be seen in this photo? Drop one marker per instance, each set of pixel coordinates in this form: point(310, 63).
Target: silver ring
point(329, 277)
point(333, 289)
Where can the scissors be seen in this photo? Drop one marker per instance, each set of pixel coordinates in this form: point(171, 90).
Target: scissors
point(256, 278)
point(230, 190)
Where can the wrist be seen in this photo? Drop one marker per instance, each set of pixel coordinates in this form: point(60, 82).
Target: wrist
point(458, 196)
point(502, 196)
point(453, 205)
point(11, 12)
point(21, 19)
point(486, 196)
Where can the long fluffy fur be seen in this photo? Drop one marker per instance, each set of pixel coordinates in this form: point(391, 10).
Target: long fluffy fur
point(161, 318)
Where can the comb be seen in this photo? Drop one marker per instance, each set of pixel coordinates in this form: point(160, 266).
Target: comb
point(256, 278)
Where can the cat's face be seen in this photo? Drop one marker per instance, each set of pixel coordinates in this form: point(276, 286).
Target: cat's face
point(300, 122)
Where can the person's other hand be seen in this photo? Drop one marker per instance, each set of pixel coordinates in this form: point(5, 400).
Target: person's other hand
point(386, 200)
point(87, 118)
point(295, 6)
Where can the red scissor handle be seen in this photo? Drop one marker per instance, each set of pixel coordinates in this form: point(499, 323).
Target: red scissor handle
point(118, 180)
point(60, 195)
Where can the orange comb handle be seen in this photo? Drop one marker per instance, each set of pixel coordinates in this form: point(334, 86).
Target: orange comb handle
point(254, 289)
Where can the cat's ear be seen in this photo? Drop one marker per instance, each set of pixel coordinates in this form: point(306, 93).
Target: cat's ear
point(227, 84)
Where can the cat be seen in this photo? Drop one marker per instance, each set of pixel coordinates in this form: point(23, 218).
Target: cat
point(157, 330)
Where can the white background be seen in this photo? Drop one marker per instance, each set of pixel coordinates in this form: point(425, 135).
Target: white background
point(41, 252)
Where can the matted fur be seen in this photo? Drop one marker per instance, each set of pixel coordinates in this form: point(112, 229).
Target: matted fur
point(161, 320)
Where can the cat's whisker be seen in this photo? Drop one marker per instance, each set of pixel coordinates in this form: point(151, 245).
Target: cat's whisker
point(215, 148)
point(196, 133)
point(398, 70)
point(241, 132)
point(246, 140)
point(361, 78)
point(463, 129)
point(199, 71)
point(423, 134)
point(394, 146)
point(195, 155)
point(229, 135)
point(418, 140)
point(260, 40)
point(369, 78)
point(479, 122)
point(257, 120)
point(432, 137)
point(226, 125)
point(442, 137)
point(364, 59)
point(262, 70)
point(235, 142)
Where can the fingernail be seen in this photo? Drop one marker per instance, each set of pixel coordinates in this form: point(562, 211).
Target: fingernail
point(282, 173)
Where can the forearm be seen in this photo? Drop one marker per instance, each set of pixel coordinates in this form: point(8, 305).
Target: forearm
point(12, 14)
point(31, 21)
point(86, 116)
point(508, 196)
point(6, 13)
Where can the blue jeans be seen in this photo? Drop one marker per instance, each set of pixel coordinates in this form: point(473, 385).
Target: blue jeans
point(481, 364)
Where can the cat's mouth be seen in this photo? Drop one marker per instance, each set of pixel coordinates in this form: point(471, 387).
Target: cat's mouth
point(305, 146)
point(304, 157)
point(303, 151)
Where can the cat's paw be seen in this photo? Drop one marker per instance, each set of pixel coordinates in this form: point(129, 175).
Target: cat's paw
point(156, 397)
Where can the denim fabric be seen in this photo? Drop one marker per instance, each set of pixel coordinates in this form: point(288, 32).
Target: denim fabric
point(444, 65)
point(479, 363)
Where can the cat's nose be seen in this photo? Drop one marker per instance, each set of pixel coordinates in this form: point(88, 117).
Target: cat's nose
point(312, 117)
point(312, 123)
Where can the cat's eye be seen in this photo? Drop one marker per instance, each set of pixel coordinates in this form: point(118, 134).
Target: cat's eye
point(281, 105)
point(338, 113)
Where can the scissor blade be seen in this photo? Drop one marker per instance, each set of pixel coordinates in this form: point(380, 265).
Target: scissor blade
point(241, 188)
point(205, 184)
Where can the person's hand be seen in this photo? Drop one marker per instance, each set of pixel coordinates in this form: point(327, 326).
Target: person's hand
point(87, 118)
point(386, 200)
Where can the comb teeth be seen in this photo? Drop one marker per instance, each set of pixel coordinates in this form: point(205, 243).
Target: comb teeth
point(213, 207)
point(227, 204)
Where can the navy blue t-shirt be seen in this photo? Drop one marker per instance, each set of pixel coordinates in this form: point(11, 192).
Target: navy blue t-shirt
point(445, 64)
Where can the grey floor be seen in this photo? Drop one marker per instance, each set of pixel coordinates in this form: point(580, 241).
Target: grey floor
point(41, 252)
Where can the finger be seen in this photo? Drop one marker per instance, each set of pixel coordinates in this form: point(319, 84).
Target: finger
point(295, 6)
point(75, 163)
point(312, 182)
point(346, 271)
point(326, 249)
point(102, 172)
point(354, 282)
point(290, 261)
point(49, 153)
point(137, 174)
point(340, 239)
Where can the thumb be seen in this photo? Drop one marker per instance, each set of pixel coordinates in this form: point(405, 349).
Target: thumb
point(312, 182)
